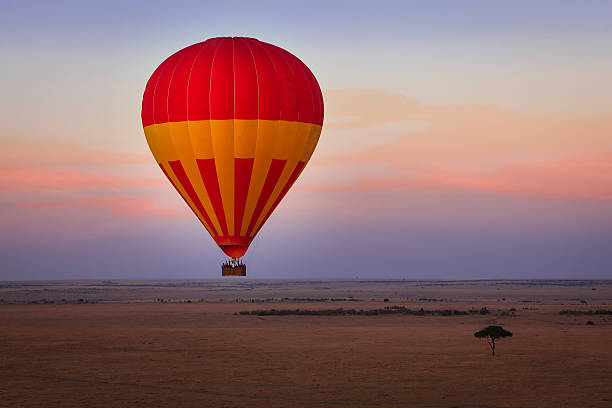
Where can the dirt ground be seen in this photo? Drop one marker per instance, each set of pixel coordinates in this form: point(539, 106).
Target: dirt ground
point(182, 344)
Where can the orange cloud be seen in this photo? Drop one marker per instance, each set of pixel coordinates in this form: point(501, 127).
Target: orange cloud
point(470, 135)
point(586, 177)
point(467, 147)
point(43, 153)
point(33, 178)
point(357, 108)
point(140, 207)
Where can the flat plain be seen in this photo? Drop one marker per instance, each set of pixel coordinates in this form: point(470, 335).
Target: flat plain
point(186, 344)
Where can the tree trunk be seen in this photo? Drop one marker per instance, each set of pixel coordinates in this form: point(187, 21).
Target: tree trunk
point(492, 345)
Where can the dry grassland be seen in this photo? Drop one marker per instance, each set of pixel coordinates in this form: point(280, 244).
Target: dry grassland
point(181, 344)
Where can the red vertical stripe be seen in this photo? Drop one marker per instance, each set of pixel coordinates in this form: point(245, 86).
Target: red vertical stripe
point(243, 168)
point(147, 98)
point(294, 175)
point(222, 81)
point(245, 80)
point(317, 96)
point(208, 171)
point(288, 102)
point(177, 88)
point(160, 94)
point(274, 172)
point(198, 91)
point(269, 97)
point(180, 174)
point(318, 101)
point(303, 86)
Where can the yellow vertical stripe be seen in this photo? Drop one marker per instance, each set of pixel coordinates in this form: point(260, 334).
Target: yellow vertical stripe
point(222, 132)
point(245, 138)
point(312, 140)
point(159, 142)
point(224, 140)
point(179, 135)
point(201, 139)
point(293, 137)
point(267, 136)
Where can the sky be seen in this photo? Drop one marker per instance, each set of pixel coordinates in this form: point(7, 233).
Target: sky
point(462, 140)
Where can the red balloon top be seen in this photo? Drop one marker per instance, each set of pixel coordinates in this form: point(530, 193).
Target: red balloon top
point(232, 78)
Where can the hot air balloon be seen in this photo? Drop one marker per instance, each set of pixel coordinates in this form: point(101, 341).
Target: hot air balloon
point(232, 122)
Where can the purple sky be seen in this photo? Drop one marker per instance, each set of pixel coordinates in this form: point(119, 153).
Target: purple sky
point(461, 140)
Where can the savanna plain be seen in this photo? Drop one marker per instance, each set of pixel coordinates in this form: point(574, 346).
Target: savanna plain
point(276, 343)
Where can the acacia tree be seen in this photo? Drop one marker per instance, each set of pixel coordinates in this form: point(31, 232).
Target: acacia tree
point(493, 333)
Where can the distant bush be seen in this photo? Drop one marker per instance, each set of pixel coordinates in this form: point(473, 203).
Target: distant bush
point(590, 323)
point(295, 300)
point(585, 312)
point(390, 310)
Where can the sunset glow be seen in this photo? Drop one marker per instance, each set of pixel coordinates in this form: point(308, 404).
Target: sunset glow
point(472, 143)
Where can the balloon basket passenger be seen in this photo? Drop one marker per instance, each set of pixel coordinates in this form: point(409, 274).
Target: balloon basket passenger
point(233, 267)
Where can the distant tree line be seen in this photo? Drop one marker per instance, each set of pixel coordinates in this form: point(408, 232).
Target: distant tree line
point(585, 312)
point(391, 310)
point(287, 299)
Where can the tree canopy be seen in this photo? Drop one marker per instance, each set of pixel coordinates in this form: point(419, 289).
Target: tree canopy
point(493, 333)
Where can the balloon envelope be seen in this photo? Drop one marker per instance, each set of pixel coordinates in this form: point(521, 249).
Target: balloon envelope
point(232, 122)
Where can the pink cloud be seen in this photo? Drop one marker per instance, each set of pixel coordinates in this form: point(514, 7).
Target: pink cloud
point(42, 153)
point(49, 171)
point(140, 207)
point(35, 178)
point(585, 177)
